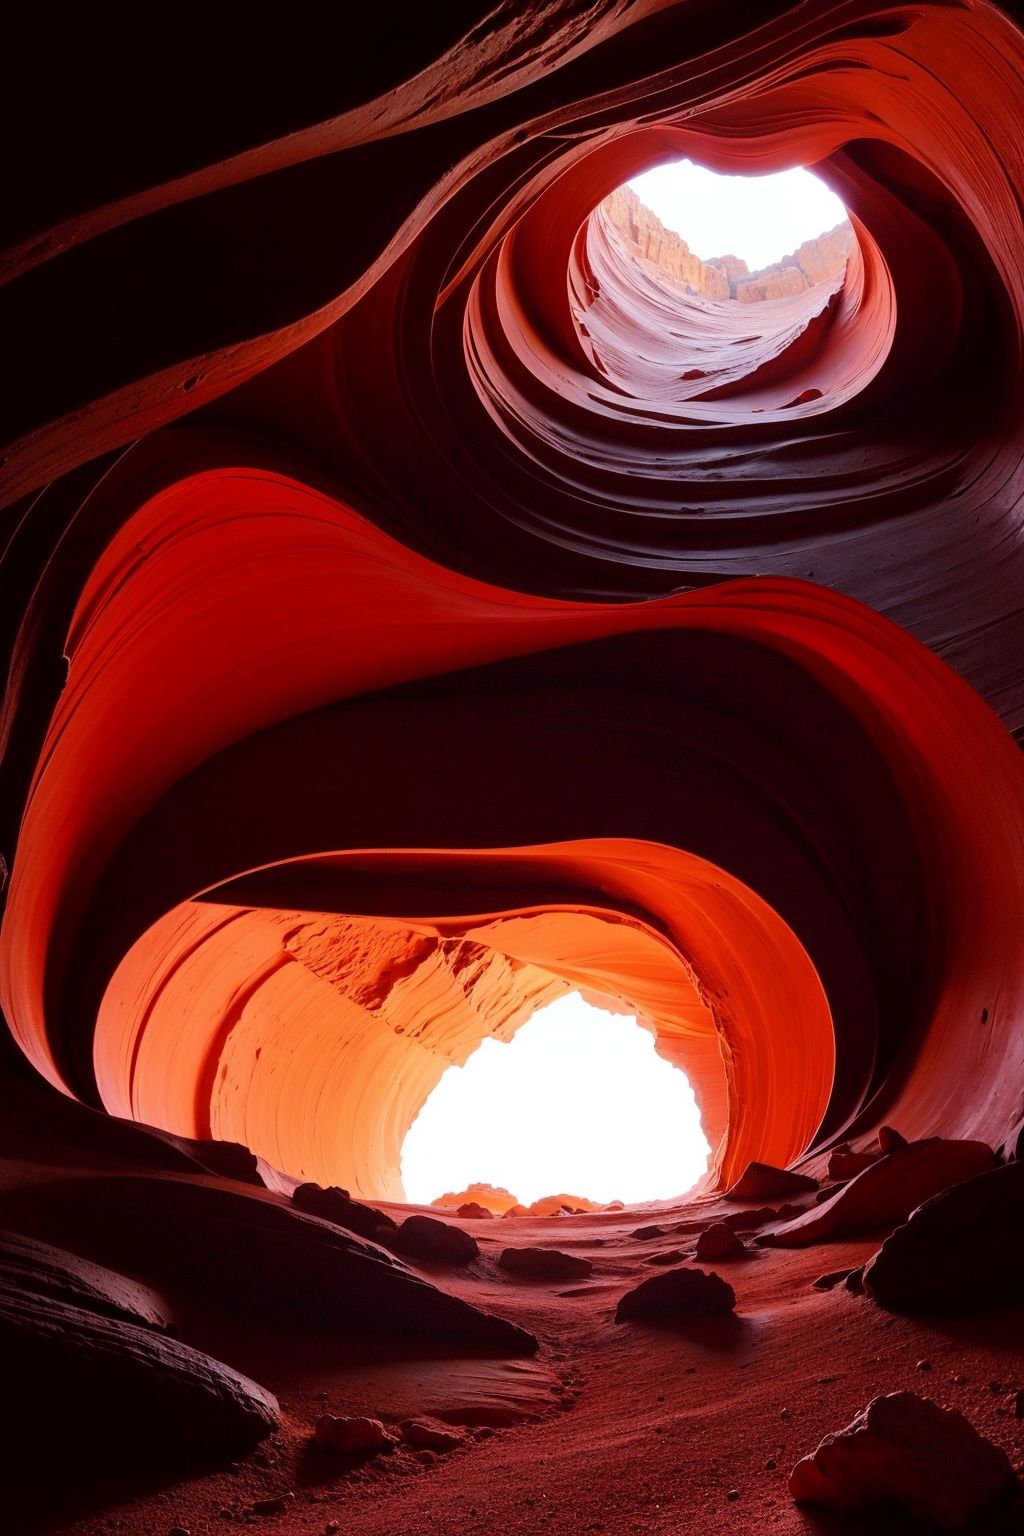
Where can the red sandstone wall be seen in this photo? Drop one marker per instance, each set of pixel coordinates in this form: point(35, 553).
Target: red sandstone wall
point(448, 537)
point(666, 251)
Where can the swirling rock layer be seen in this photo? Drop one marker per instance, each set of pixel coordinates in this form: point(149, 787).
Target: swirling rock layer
point(413, 608)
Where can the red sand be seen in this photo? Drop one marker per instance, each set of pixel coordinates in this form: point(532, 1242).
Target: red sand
point(628, 1428)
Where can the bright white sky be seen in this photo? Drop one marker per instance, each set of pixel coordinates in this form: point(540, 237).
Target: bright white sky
point(578, 1103)
point(759, 218)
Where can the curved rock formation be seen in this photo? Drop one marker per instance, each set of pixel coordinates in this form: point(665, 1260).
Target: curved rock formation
point(414, 609)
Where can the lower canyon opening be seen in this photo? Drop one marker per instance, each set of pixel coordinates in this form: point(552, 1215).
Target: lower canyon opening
point(438, 580)
point(577, 1104)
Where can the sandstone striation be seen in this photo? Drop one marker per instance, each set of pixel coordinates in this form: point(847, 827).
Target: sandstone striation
point(666, 251)
point(885, 1193)
point(420, 598)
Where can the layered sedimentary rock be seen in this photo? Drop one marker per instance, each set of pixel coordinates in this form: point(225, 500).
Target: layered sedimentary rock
point(583, 439)
point(820, 260)
point(665, 250)
point(414, 608)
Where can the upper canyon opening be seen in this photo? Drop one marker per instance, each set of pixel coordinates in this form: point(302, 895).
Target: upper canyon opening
point(745, 238)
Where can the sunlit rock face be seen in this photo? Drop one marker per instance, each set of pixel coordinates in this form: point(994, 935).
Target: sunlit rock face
point(814, 261)
point(665, 250)
point(727, 276)
point(411, 611)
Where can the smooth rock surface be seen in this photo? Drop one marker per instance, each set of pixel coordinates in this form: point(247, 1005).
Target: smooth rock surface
point(257, 1256)
point(30, 1266)
point(125, 1388)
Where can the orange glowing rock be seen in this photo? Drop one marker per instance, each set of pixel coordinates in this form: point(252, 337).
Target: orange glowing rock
point(498, 1201)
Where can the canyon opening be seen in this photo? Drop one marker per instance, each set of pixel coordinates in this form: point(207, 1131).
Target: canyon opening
point(759, 221)
point(769, 236)
point(481, 543)
point(578, 1103)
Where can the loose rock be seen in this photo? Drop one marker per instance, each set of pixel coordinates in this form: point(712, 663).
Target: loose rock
point(960, 1252)
point(350, 1436)
point(334, 1204)
point(676, 1295)
point(908, 1449)
point(671, 1256)
point(422, 1435)
point(424, 1237)
point(275, 1506)
point(832, 1279)
point(747, 1221)
point(544, 1264)
point(760, 1181)
point(472, 1211)
point(719, 1242)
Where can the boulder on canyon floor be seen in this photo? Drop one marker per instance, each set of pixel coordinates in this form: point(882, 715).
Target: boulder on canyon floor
point(906, 1449)
point(351, 1436)
point(677, 1295)
point(885, 1193)
point(962, 1251)
point(337, 1205)
point(544, 1264)
point(760, 1181)
point(424, 1237)
point(719, 1242)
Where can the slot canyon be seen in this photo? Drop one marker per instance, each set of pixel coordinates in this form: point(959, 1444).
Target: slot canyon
point(429, 590)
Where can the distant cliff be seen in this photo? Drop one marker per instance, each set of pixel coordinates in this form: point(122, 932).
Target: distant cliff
point(726, 277)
